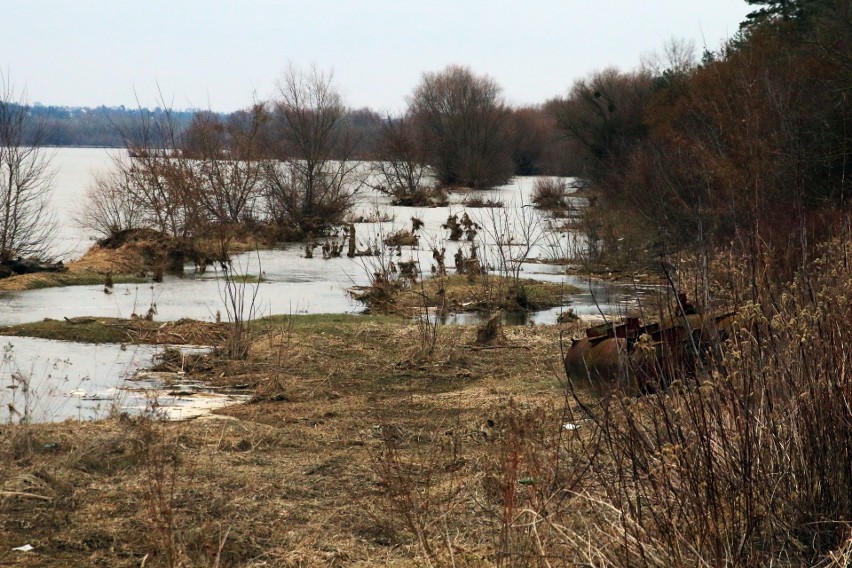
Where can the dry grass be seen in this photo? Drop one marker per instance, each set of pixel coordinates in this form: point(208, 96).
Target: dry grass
point(113, 330)
point(459, 293)
point(125, 264)
point(292, 479)
point(362, 449)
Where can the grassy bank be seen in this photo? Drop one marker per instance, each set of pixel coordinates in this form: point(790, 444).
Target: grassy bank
point(464, 293)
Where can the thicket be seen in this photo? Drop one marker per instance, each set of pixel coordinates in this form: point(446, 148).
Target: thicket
point(748, 148)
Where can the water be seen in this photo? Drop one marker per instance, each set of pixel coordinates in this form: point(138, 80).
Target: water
point(75, 169)
point(82, 381)
point(292, 284)
point(50, 381)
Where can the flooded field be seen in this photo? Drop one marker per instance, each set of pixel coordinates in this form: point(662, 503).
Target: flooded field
point(47, 380)
point(292, 284)
point(50, 381)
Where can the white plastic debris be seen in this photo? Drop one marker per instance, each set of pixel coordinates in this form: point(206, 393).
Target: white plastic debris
point(570, 426)
point(25, 548)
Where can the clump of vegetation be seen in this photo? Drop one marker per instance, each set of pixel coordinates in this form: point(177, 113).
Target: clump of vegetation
point(477, 201)
point(402, 238)
point(459, 118)
point(462, 293)
point(551, 194)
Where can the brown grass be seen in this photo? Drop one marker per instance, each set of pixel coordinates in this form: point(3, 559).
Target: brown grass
point(459, 293)
point(125, 263)
point(362, 449)
point(294, 478)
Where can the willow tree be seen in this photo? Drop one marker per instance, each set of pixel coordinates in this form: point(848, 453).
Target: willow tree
point(461, 118)
point(311, 184)
point(26, 221)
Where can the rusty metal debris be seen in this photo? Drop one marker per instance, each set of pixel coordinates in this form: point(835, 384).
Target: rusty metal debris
point(639, 357)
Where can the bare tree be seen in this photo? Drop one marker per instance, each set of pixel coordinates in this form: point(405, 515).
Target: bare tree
point(110, 208)
point(604, 113)
point(26, 220)
point(312, 183)
point(225, 161)
point(461, 118)
point(401, 166)
point(158, 177)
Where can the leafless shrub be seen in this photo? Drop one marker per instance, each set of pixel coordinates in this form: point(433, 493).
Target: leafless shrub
point(27, 227)
point(421, 487)
point(401, 168)
point(478, 201)
point(157, 453)
point(239, 297)
point(311, 185)
point(110, 208)
point(551, 194)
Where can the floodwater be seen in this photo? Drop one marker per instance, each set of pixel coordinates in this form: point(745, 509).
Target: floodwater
point(291, 284)
point(88, 381)
point(49, 381)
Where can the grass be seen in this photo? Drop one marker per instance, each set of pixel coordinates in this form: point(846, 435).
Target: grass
point(465, 293)
point(359, 448)
point(113, 330)
point(55, 279)
point(289, 479)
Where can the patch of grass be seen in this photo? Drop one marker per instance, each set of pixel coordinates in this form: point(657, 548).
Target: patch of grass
point(551, 194)
point(464, 293)
point(85, 330)
point(114, 330)
point(55, 279)
point(477, 201)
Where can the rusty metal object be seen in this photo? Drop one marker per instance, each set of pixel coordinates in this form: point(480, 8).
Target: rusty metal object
point(637, 357)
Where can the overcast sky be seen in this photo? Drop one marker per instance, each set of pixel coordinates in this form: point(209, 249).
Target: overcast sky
point(218, 55)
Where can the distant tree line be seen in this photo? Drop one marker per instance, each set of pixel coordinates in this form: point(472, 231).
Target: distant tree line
point(524, 140)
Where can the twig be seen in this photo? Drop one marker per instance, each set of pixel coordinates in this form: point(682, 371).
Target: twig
point(24, 494)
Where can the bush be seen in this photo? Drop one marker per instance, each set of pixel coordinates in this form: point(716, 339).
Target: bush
point(551, 194)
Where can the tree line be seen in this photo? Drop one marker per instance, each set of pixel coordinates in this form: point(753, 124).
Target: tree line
point(748, 147)
point(529, 134)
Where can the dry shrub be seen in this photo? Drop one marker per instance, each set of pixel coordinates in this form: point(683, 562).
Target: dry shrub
point(402, 238)
point(422, 488)
point(478, 201)
point(744, 460)
point(551, 194)
point(748, 463)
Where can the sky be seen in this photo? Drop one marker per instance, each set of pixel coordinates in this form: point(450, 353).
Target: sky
point(222, 55)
